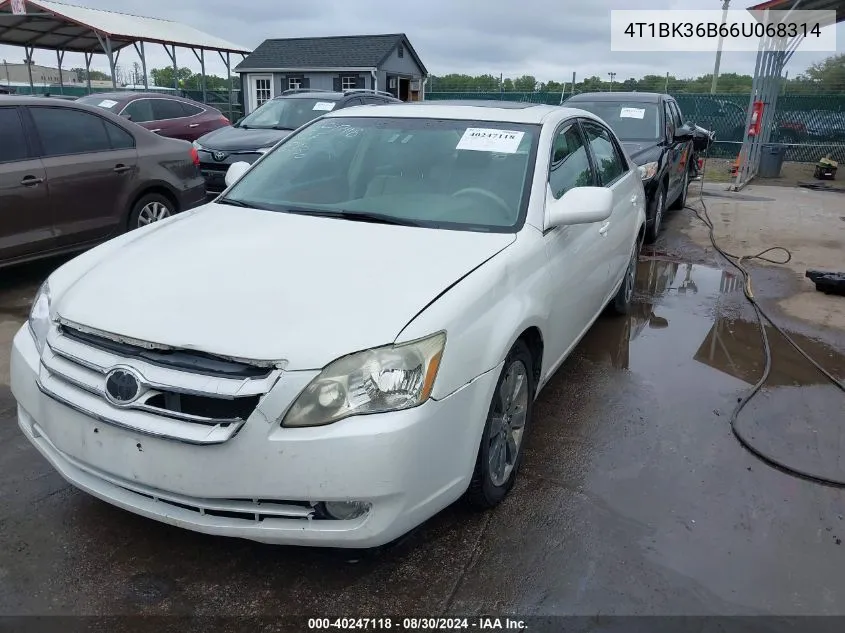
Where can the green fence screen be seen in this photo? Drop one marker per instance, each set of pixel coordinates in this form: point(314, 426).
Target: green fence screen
point(811, 126)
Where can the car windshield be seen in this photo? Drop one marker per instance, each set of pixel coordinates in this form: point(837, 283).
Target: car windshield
point(466, 175)
point(286, 114)
point(634, 121)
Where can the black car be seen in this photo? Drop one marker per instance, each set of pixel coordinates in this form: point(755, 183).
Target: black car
point(260, 130)
point(656, 138)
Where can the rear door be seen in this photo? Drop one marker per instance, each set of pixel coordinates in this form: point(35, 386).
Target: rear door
point(674, 154)
point(199, 120)
point(91, 166)
point(26, 223)
point(170, 119)
point(618, 233)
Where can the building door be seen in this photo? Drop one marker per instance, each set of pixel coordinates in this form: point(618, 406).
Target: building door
point(261, 90)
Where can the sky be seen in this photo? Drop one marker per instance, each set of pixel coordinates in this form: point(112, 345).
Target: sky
point(549, 39)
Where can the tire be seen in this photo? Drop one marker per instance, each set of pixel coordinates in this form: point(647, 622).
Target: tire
point(621, 303)
point(653, 230)
point(492, 481)
point(681, 200)
point(151, 207)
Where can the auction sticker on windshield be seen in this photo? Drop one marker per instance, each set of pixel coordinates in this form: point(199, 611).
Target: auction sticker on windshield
point(632, 113)
point(107, 103)
point(324, 106)
point(482, 139)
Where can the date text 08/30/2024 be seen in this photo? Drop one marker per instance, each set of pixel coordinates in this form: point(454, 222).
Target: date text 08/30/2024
point(418, 624)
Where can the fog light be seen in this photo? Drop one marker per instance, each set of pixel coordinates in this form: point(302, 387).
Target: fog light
point(345, 510)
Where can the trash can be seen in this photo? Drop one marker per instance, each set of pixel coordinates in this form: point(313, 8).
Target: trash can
point(771, 160)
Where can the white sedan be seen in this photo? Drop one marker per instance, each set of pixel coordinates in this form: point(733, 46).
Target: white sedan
point(346, 341)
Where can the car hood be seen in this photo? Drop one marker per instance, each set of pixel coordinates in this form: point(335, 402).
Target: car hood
point(642, 152)
point(265, 286)
point(232, 138)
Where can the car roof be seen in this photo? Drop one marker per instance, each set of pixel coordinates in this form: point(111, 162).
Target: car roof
point(38, 100)
point(474, 111)
point(644, 97)
point(125, 94)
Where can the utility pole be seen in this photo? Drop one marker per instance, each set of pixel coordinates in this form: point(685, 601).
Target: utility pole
point(725, 6)
point(8, 81)
point(612, 75)
point(573, 83)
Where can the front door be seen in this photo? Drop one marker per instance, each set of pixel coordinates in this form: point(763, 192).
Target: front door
point(91, 169)
point(675, 156)
point(261, 90)
point(619, 231)
point(575, 254)
point(26, 224)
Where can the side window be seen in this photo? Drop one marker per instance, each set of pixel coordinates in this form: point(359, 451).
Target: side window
point(12, 139)
point(190, 110)
point(609, 162)
point(676, 114)
point(570, 164)
point(668, 121)
point(118, 137)
point(141, 110)
point(64, 131)
point(354, 102)
point(166, 109)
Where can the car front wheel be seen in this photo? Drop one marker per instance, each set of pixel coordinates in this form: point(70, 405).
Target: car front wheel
point(658, 209)
point(150, 208)
point(500, 451)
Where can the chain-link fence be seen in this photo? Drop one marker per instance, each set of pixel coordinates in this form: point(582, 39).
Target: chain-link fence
point(811, 126)
point(214, 98)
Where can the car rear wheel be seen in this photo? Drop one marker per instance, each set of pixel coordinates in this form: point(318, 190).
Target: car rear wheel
point(621, 303)
point(500, 451)
point(150, 208)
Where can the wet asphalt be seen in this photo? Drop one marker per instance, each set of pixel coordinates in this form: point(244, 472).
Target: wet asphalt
point(634, 496)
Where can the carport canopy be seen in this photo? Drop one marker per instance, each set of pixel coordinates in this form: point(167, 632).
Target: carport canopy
point(50, 25)
point(772, 56)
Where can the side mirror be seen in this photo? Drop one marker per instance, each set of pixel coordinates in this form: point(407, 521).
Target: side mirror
point(581, 205)
point(684, 133)
point(235, 171)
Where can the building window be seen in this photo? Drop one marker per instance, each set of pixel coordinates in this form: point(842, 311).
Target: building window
point(401, 51)
point(348, 83)
point(262, 92)
point(294, 83)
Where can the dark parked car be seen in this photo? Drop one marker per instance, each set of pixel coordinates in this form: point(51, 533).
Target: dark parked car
point(653, 131)
point(72, 175)
point(256, 133)
point(164, 114)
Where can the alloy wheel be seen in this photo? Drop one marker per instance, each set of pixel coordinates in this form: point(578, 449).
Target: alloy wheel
point(152, 212)
point(508, 423)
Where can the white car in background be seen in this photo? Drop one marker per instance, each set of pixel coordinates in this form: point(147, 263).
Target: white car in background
point(346, 341)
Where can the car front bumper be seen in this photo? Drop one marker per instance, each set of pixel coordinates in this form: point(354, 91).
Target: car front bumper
point(259, 484)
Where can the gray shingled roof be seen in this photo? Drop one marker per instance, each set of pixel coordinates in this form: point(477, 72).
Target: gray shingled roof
point(348, 51)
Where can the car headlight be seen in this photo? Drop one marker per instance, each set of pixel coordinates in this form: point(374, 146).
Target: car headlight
point(39, 317)
point(197, 145)
point(648, 171)
point(377, 380)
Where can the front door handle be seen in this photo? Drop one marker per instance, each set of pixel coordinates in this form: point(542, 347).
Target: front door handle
point(31, 181)
point(635, 199)
point(119, 168)
point(156, 130)
point(603, 229)
point(194, 125)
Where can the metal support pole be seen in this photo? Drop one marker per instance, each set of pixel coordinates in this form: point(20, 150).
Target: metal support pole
point(745, 148)
point(725, 6)
point(105, 44)
point(172, 56)
point(228, 62)
point(88, 57)
point(573, 84)
point(139, 48)
point(28, 51)
point(60, 56)
point(201, 60)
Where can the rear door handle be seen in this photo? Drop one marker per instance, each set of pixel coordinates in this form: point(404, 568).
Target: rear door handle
point(194, 125)
point(121, 168)
point(604, 227)
point(156, 130)
point(31, 181)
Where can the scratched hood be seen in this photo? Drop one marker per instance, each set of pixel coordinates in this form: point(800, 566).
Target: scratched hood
point(261, 285)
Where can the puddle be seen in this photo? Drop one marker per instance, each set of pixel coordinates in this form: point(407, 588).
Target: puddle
point(688, 314)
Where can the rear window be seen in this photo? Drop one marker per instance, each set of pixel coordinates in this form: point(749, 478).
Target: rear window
point(12, 141)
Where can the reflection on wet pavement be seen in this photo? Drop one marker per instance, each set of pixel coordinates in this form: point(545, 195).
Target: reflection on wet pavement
point(684, 311)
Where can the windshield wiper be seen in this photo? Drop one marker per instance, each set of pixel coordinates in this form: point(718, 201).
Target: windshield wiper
point(356, 216)
point(236, 203)
point(283, 127)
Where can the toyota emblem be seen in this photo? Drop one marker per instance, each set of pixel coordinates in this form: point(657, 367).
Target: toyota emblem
point(123, 386)
point(219, 156)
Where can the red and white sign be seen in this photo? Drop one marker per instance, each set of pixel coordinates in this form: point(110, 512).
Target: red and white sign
point(18, 7)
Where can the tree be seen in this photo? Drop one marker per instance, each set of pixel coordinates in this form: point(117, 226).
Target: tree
point(137, 74)
point(96, 75)
point(828, 74)
point(526, 83)
point(164, 76)
point(189, 81)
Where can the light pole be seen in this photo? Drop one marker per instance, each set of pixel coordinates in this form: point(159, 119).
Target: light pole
point(612, 75)
point(725, 6)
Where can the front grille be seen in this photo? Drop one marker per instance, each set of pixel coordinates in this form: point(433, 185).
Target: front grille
point(183, 395)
